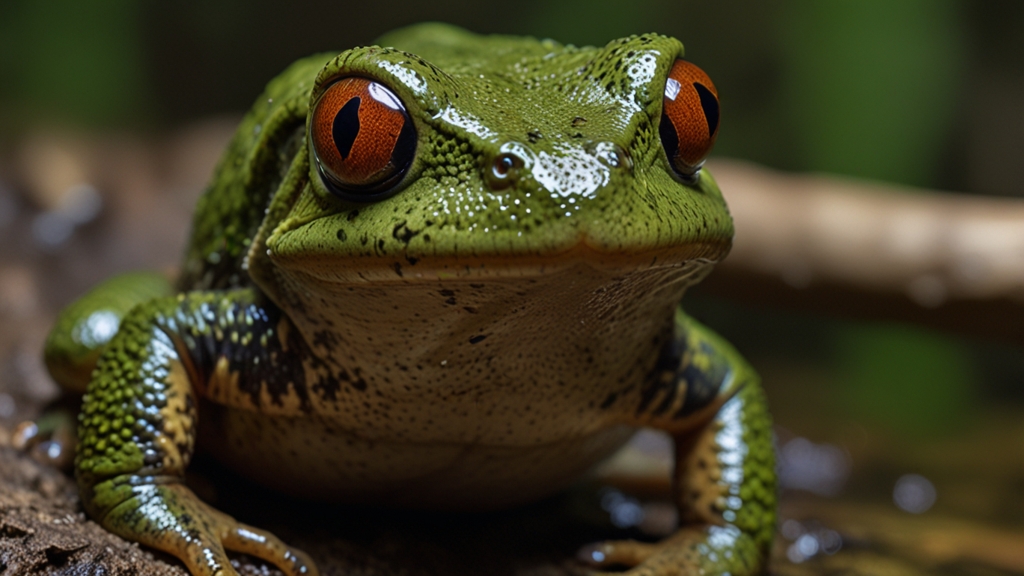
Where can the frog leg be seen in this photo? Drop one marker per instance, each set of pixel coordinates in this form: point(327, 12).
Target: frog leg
point(710, 400)
point(72, 348)
point(138, 424)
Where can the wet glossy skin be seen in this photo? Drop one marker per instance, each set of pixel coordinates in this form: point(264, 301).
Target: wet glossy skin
point(468, 322)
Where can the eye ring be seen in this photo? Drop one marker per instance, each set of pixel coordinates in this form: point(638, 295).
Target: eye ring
point(362, 138)
point(689, 119)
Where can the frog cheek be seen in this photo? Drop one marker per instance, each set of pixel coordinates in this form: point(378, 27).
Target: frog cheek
point(689, 119)
point(363, 139)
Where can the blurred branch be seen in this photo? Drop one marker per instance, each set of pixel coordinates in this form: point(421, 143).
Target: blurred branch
point(874, 250)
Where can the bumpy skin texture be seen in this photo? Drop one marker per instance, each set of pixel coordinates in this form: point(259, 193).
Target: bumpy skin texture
point(470, 339)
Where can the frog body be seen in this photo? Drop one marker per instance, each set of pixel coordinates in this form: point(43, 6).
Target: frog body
point(463, 297)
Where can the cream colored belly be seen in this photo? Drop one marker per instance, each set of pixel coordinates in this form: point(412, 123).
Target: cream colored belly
point(306, 457)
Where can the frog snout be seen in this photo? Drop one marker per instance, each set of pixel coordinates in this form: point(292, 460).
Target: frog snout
point(566, 169)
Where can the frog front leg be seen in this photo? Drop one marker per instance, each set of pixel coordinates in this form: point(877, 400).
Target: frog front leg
point(138, 424)
point(73, 347)
point(710, 400)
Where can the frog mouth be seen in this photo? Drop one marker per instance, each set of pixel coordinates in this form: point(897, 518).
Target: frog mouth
point(291, 251)
point(424, 234)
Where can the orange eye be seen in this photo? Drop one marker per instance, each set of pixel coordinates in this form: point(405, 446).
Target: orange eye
point(689, 118)
point(363, 139)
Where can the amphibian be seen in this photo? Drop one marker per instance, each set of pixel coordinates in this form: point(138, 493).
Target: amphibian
point(439, 272)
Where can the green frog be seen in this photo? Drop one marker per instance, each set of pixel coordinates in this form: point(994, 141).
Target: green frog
point(439, 272)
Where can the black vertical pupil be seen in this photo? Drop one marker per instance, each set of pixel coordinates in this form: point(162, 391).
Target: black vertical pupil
point(346, 126)
point(710, 105)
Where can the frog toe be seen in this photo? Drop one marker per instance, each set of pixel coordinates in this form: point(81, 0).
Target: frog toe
point(711, 551)
point(171, 518)
point(239, 537)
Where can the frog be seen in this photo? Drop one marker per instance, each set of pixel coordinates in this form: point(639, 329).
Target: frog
point(439, 272)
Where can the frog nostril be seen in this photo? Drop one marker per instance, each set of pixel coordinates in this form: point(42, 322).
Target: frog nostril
point(504, 170)
point(503, 165)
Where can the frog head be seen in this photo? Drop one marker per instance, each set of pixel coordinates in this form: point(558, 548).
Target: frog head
point(497, 152)
point(442, 159)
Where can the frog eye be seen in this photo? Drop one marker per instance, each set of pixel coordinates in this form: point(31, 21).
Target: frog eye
point(689, 118)
point(363, 139)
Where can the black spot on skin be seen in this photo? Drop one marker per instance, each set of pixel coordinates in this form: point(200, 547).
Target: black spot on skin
point(261, 368)
point(469, 309)
point(403, 233)
point(398, 269)
point(668, 363)
point(411, 260)
point(578, 121)
point(449, 295)
point(477, 339)
point(702, 385)
point(328, 387)
point(609, 400)
point(533, 136)
point(342, 236)
point(346, 127)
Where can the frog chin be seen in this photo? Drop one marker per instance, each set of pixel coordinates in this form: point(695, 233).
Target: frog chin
point(487, 342)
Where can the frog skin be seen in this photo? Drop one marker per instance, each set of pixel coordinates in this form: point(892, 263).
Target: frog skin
point(442, 272)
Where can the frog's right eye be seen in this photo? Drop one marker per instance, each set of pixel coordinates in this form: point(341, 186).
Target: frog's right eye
point(363, 139)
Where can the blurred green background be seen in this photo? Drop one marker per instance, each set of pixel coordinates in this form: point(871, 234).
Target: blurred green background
point(921, 92)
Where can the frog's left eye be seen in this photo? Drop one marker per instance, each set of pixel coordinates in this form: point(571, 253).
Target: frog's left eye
point(363, 139)
point(689, 119)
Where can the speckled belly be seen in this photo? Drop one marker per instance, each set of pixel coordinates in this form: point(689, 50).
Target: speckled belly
point(310, 458)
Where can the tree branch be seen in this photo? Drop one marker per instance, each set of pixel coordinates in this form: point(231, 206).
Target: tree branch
point(874, 250)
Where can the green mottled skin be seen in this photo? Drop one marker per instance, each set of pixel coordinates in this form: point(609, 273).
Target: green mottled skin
point(466, 342)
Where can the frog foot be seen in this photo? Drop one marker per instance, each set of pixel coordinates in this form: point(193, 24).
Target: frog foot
point(50, 440)
point(692, 550)
point(171, 518)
